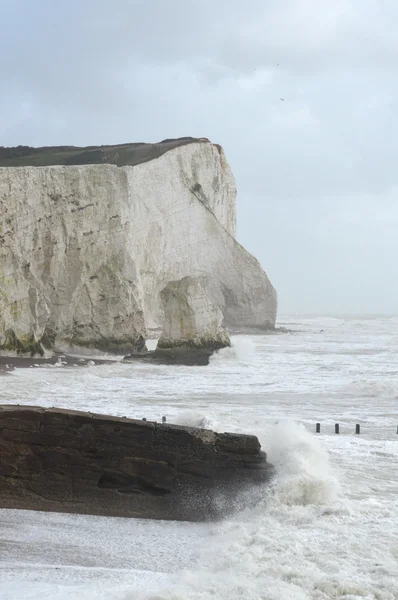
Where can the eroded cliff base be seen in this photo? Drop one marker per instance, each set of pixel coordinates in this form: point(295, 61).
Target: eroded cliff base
point(178, 355)
point(9, 363)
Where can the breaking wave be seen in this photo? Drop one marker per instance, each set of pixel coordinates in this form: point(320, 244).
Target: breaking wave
point(247, 557)
point(304, 475)
point(194, 418)
point(242, 350)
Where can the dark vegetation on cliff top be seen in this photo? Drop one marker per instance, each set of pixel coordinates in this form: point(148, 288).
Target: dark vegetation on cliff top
point(120, 155)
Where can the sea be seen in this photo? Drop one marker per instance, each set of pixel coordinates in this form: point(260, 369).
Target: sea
point(327, 526)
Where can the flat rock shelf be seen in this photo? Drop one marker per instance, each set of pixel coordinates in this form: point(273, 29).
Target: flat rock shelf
point(69, 461)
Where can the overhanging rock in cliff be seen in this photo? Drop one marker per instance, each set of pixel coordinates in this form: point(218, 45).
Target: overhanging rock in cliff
point(85, 249)
point(69, 461)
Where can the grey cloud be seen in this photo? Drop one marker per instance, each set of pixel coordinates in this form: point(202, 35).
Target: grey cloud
point(316, 174)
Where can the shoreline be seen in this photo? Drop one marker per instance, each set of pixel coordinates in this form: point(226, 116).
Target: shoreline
point(8, 364)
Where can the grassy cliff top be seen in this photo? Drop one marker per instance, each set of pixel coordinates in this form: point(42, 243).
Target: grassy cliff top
point(120, 155)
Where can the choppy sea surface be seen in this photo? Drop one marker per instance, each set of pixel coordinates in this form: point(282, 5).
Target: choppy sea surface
point(326, 528)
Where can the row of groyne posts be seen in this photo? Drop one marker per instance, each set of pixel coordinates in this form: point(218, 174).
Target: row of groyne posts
point(337, 428)
point(317, 427)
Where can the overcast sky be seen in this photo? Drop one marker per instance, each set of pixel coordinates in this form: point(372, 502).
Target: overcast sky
point(317, 173)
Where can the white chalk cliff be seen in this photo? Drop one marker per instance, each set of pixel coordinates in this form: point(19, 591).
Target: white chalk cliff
point(86, 250)
point(190, 318)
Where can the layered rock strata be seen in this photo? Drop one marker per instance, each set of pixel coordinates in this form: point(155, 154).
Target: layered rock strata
point(68, 461)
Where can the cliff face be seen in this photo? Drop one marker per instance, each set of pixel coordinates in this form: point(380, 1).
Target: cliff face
point(192, 329)
point(190, 319)
point(85, 250)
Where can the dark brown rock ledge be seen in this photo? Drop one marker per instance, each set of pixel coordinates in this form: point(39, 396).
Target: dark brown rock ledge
point(68, 461)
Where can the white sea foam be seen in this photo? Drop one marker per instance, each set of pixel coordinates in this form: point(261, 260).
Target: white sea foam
point(303, 472)
point(242, 350)
point(374, 388)
point(325, 528)
point(244, 557)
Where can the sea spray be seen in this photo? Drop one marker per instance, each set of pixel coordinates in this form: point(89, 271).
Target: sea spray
point(303, 473)
point(241, 558)
point(242, 350)
point(194, 418)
